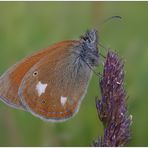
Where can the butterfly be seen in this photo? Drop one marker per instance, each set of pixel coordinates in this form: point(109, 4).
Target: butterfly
point(52, 82)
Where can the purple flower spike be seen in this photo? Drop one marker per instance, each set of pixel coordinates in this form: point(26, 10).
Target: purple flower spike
point(112, 108)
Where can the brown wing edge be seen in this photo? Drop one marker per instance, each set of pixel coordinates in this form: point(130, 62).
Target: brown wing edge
point(52, 119)
point(6, 101)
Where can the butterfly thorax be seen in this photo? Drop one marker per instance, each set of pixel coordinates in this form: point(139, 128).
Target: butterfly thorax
point(87, 50)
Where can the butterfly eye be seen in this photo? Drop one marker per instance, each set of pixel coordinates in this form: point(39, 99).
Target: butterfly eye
point(35, 73)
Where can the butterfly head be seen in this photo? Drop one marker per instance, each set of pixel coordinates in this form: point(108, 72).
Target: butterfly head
point(89, 52)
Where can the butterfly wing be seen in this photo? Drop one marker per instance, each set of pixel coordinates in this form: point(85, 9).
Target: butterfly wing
point(10, 80)
point(60, 83)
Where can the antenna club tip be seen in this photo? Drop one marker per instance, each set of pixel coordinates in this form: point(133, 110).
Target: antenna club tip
point(117, 16)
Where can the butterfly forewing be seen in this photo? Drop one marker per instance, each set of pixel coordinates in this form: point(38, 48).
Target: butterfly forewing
point(10, 80)
point(59, 85)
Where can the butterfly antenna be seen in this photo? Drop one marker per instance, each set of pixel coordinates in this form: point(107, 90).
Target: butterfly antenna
point(101, 25)
point(109, 19)
point(112, 17)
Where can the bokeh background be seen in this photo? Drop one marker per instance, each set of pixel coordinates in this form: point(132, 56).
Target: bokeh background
point(26, 27)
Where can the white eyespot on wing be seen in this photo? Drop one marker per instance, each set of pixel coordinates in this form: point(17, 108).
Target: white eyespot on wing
point(63, 100)
point(40, 87)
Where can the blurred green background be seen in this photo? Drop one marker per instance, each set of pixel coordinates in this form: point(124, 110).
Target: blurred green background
point(26, 27)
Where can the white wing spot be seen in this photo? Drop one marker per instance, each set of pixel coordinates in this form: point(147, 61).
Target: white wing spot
point(40, 87)
point(63, 100)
